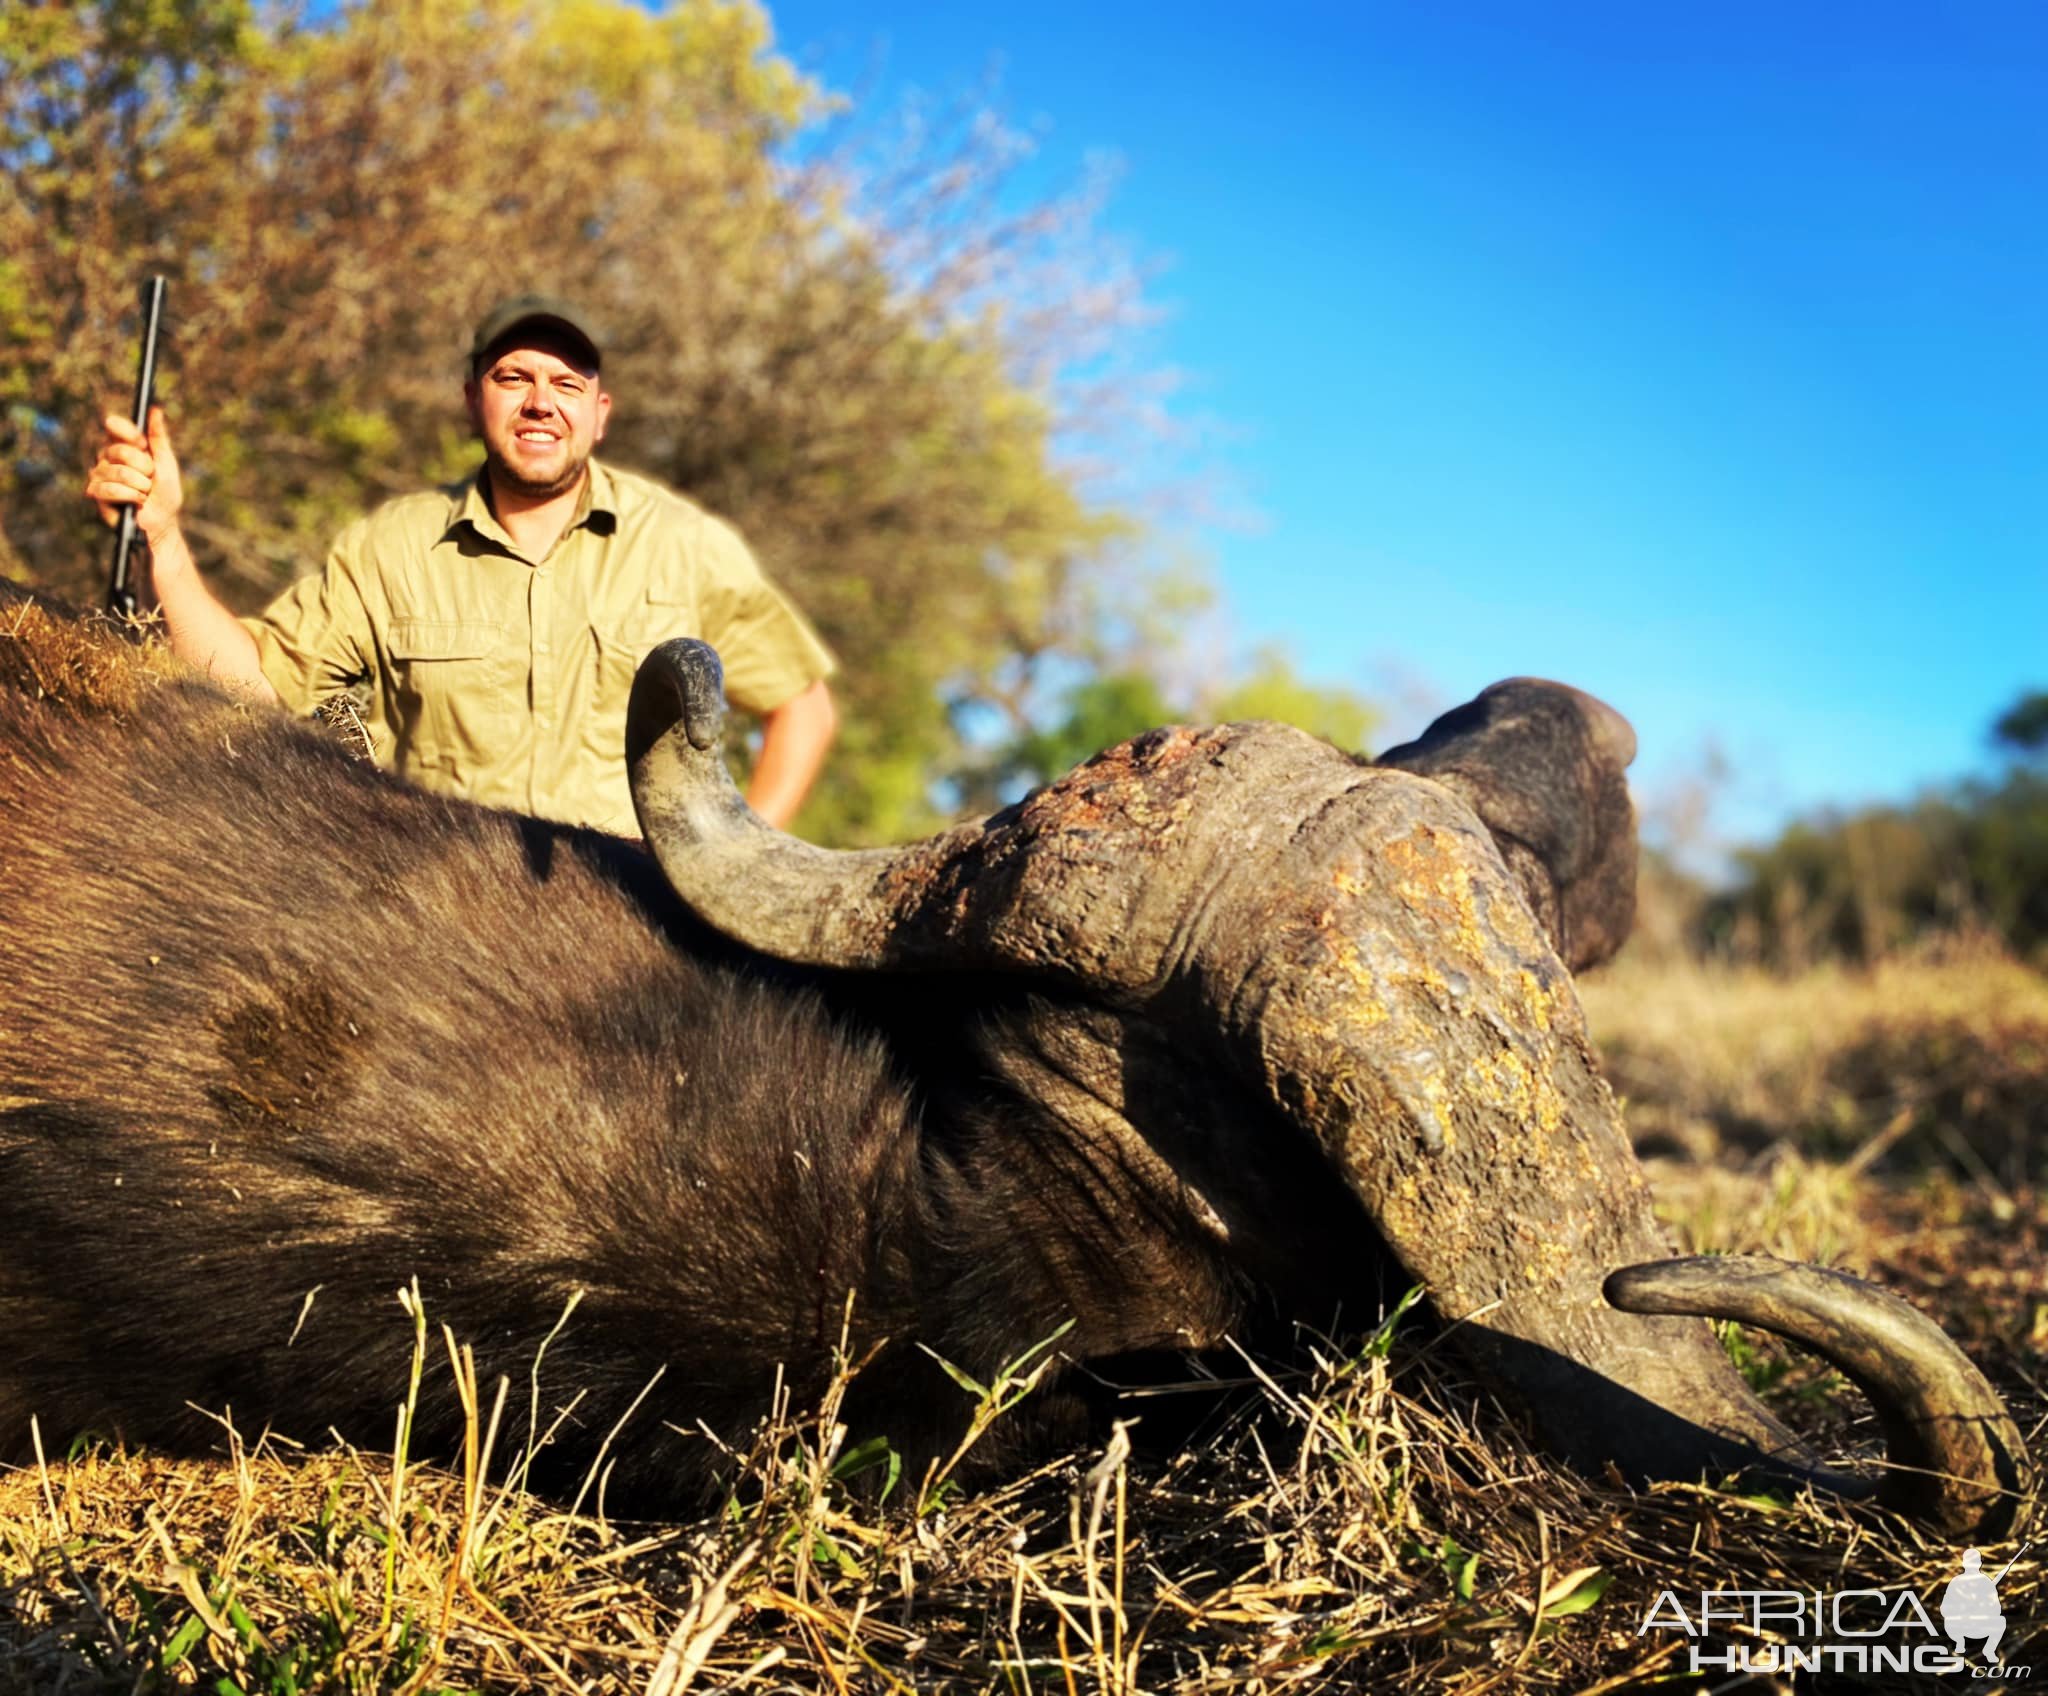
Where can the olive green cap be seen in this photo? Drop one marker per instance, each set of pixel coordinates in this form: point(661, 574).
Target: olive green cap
point(519, 311)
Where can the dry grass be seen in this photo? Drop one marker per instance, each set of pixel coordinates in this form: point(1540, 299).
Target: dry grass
point(83, 665)
point(1358, 1519)
point(1934, 1063)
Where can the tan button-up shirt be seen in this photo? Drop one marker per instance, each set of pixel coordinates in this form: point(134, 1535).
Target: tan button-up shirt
point(504, 678)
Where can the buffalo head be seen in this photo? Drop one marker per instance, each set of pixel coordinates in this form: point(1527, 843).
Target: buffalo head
point(1372, 955)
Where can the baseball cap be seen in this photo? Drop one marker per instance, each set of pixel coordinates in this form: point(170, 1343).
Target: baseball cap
point(520, 310)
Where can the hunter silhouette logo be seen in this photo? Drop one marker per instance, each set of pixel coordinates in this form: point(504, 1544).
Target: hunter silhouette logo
point(1969, 1606)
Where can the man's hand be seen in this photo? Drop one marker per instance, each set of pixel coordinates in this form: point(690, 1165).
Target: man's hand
point(139, 471)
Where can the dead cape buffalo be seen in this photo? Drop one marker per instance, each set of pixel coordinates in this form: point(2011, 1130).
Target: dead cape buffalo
point(1223, 1018)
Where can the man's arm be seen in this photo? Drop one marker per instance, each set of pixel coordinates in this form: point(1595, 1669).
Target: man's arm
point(142, 471)
point(794, 737)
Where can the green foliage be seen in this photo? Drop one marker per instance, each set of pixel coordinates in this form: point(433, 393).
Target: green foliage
point(1581, 1596)
point(1771, 1370)
point(869, 365)
point(1860, 885)
point(1099, 712)
point(1461, 1566)
point(1110, 706)
point(2024, 725)
point(1380, 1344)
point(868, 1456)
point(1272, 689)
point(1013, 1381)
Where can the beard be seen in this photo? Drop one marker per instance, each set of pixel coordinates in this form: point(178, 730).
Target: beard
point(534, 488)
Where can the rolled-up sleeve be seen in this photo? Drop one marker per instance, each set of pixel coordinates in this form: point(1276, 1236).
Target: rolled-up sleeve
point(769, 650)
point(316, 638)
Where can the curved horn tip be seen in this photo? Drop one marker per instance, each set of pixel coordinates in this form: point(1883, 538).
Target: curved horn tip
point(682, 679)
point(1633, 1289)
point(703, 689)
point(1958, 1462)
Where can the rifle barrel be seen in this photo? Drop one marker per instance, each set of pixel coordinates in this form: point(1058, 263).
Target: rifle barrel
point(120, 592)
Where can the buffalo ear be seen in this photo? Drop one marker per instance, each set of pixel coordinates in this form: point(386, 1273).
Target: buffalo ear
point(1544, 766)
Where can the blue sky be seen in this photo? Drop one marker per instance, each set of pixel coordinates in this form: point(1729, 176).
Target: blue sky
point(1694, 354)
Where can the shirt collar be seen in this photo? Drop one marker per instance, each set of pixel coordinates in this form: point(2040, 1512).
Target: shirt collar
point(597, 506)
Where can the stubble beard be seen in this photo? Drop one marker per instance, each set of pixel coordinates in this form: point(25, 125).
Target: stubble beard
point(534, 488)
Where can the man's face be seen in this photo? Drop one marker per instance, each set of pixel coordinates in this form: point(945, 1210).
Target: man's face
point(540, 410)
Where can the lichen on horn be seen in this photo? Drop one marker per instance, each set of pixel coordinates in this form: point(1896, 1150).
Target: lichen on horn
point(1543, 765)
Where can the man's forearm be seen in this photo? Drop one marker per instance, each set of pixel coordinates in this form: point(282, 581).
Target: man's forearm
point(202, 631)
point(794, 738)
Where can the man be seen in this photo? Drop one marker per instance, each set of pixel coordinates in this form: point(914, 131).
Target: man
point(499, 622)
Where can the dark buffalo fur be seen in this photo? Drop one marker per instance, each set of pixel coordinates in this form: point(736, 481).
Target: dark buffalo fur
point(282, 1034)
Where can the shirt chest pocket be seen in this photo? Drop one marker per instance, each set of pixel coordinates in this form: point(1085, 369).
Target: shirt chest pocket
point(628, 636)
point(433, 658)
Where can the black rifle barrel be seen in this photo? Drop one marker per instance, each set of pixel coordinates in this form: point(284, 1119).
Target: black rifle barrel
point(120, 593)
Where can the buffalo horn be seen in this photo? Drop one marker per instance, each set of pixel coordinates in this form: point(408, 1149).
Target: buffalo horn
point(1345, 939)
point(768, 889)
point(1046, 888)
point(1956, 1458)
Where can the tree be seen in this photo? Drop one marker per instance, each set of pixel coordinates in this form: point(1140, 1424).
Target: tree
point(870, 375)
point(1097, 712)
point(2023, 726)
point(1857, 885)
point(1109, 706)
point(1272, 688)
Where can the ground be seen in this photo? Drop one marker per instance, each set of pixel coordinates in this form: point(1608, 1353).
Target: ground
point(1356, 1517)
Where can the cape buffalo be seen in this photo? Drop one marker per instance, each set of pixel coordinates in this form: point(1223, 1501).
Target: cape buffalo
point(1223, 1017)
